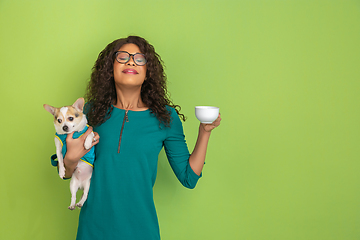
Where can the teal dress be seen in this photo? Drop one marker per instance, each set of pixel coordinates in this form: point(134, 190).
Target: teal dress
point(120, 204)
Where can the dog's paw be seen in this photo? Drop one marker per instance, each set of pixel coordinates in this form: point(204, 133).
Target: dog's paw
point(71, 207)
point(62, 172)
point(88, 142)
point(79, 205)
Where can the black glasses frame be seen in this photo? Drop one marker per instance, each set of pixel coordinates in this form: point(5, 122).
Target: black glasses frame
point(130, 55)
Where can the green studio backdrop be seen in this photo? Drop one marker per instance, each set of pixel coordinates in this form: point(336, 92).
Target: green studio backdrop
point(284, 164)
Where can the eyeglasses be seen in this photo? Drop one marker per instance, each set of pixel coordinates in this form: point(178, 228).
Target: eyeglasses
point(124, 57)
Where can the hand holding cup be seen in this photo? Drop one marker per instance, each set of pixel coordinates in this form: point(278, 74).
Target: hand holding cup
point(208, 116)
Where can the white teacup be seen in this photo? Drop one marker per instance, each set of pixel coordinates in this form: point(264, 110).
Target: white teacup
point(206, 114)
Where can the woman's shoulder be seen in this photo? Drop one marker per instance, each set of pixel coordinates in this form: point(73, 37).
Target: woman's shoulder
point(170, 109)
point(172, 112)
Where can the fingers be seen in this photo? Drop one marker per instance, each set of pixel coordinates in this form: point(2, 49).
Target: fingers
point(217, 121)
point(81, 139)
point(88, 131)
point(211, 126)
point(86, 134)
point(96, 138)
point(69, 137)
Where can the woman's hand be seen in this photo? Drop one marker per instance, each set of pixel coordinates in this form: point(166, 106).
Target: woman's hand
point(76, 150)
point(75, 147)
point(209, 127)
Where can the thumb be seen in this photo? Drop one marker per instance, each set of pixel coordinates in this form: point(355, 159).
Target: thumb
point(69, 136)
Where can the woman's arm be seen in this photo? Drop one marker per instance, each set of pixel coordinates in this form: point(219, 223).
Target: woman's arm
point(76, 150)
point(197, 158)
point(187, 167)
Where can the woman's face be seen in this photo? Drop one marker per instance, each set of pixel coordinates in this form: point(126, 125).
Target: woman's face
point(129, 74)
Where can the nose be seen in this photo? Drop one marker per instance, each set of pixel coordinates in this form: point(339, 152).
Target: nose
point(131, 61)
point(65, 128)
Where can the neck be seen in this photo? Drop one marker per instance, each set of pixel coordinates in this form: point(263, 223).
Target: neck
point(129, 99)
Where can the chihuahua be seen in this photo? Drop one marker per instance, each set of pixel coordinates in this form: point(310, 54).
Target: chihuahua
point(70, 119)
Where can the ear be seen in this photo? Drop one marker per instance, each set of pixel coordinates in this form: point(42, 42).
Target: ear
point(50, 109)
point(79, 104)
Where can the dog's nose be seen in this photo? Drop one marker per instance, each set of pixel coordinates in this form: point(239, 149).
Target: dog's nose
point(65, 128)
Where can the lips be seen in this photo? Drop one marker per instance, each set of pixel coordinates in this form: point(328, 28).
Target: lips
point(130, 71)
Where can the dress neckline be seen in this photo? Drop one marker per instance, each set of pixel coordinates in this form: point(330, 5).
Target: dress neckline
point(131, 109)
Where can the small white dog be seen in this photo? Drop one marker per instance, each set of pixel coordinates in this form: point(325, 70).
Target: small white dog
point(70, 119)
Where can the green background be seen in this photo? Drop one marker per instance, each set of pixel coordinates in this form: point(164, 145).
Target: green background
point(284, 163)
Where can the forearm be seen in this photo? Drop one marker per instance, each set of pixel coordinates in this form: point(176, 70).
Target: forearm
point(197, 158)
point(69, 167)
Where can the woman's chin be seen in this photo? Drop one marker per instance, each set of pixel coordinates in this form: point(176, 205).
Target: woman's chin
point(129, 84)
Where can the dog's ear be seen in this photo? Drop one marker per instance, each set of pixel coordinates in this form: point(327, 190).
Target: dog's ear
point(50, 109)
point(79, 104)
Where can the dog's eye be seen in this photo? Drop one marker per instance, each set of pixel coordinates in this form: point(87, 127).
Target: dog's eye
point(71, 118)
point(59, 120)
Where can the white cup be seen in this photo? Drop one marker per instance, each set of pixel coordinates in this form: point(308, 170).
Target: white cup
point(206, 114)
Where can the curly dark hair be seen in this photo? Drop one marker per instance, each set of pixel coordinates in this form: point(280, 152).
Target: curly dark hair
point(101, 93)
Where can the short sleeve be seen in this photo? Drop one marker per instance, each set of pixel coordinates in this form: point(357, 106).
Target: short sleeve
point(178, 154)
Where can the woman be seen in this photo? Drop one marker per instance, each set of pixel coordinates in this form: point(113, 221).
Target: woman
point(129, 108)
